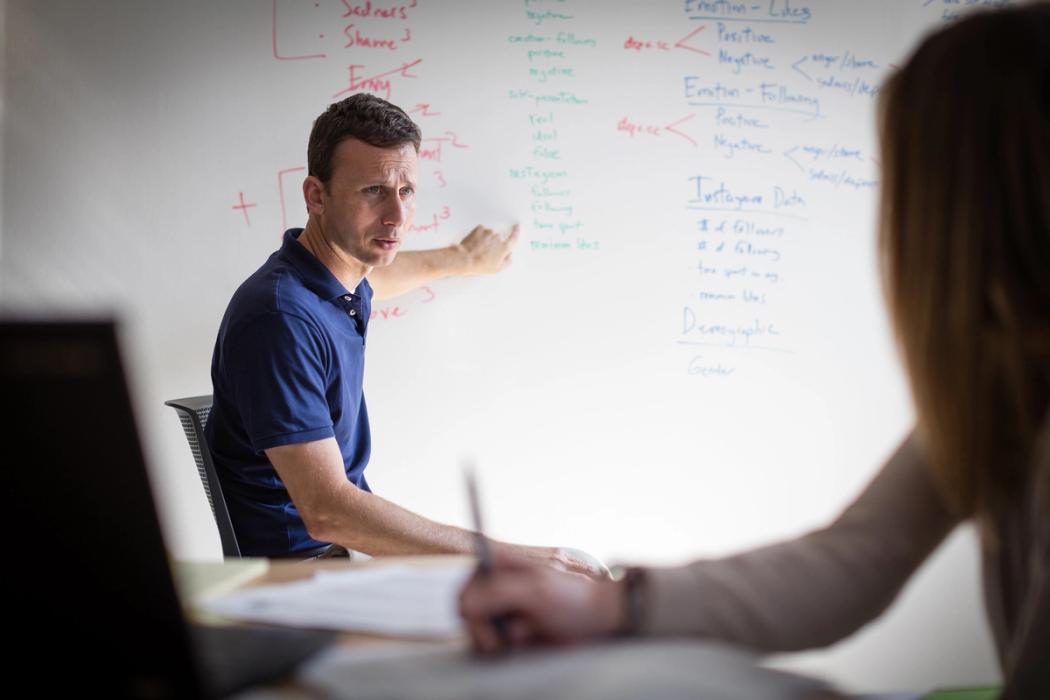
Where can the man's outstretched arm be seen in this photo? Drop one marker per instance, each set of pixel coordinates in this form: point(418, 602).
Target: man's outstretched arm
point(334, 510)
point(481, 252)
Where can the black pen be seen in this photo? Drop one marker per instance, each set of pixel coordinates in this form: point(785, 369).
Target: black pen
point(483, 551)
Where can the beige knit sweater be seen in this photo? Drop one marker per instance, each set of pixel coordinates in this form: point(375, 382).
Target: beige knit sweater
point(821, 587)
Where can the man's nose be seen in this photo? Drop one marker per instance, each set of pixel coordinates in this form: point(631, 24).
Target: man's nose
point(396, 212)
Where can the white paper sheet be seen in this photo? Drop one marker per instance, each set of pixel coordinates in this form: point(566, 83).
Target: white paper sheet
point(391, 600)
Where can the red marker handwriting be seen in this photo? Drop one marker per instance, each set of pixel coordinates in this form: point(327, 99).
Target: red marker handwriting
point(430, 152)
point(451, 136)
point(434, 152)
point(633, 44)
point(424, 110)
point(386, 313)
point(354, 37)
point(634, 128)
point(639, 44)
point(631, 128)
point(243, 207)
point(280, 193)
point(377, 83)
point(683, 42)
point(370, 9)
point(671, 127)
point(277, 54)
point(433, 224)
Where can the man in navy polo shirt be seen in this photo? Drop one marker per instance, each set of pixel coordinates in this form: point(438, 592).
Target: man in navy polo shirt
point(289, 429)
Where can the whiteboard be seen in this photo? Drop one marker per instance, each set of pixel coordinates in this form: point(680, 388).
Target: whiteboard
point(689, 354)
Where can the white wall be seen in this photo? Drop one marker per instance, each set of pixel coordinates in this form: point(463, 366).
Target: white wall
point(131, 128)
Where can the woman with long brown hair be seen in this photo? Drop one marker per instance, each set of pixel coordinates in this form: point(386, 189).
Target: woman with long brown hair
point(964, 249)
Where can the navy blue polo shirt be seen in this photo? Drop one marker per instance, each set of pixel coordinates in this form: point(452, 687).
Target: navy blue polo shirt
point(287, 368)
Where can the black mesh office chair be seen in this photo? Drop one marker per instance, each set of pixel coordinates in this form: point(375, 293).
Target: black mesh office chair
point(193, 413)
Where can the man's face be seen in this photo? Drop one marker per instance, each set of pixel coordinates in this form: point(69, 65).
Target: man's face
point(370, 200)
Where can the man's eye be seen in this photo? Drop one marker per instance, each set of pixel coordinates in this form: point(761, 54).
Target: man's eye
point(407, 191)
point(374, 189)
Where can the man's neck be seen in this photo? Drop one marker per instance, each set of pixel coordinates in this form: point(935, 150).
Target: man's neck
point(346, 268)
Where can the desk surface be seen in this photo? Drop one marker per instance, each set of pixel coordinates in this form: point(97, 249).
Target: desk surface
point(370, 666)
point(281, 571)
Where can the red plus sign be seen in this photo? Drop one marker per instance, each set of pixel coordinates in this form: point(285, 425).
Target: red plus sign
point(244, 208)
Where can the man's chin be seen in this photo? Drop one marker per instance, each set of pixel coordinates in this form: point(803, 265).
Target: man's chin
point(385, 260)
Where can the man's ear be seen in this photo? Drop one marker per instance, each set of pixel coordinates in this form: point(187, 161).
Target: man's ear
point(313, 193)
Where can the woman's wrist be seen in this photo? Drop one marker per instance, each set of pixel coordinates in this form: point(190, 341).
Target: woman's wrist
point(633, 601)
point(621, 604)
point(607, 608)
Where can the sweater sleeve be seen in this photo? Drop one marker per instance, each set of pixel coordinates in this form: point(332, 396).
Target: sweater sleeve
point(818, 588)
point(1023, 650)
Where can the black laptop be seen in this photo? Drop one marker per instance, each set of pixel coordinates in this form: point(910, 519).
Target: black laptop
point(89, 586)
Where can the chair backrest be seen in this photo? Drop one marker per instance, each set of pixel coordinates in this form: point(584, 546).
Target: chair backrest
point(193, 413)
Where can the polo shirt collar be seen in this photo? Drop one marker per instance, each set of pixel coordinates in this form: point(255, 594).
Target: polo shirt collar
point(317, 278)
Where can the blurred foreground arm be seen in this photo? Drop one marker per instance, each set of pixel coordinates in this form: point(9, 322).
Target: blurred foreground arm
point(481, 252)
point(802, 593)
point(818, 588)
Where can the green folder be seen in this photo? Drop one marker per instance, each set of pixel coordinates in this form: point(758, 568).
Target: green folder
point(963, 694)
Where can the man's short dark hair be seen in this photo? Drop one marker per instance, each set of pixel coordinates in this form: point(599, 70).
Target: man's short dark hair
point(363, 117)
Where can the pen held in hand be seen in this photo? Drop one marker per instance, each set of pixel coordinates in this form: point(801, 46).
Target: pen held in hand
point(483, 550)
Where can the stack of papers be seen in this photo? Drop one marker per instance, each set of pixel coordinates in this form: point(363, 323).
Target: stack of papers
point(391, 600)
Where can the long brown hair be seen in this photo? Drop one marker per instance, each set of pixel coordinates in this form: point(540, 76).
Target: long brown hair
point(964, 246)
